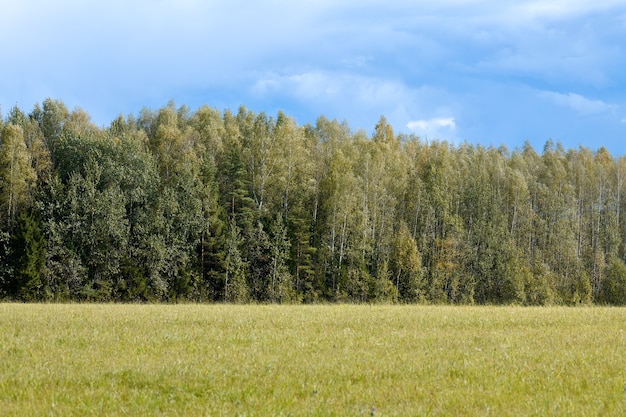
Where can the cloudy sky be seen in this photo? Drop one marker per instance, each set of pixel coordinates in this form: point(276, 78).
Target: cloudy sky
point(491, 72)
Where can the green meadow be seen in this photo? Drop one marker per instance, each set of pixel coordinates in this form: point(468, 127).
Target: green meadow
point(341, 360)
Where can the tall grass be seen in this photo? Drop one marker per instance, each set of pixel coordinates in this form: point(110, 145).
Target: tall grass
point(175, 360)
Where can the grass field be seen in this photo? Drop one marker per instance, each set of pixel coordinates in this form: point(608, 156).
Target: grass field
point(175, 360)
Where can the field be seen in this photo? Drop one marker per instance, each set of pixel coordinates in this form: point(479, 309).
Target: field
point(175, 360)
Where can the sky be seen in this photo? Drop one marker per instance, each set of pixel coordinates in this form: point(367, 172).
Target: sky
point(492, 72)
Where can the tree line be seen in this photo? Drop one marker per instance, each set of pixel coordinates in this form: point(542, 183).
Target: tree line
point(216, 206)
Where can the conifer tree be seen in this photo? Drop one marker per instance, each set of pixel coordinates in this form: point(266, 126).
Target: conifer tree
point(235, 286)
point(281, 285)
point(28, 260)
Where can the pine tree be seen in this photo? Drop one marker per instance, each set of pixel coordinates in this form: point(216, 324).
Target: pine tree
point(235, 287)
point(28, 260)
point(281, 286)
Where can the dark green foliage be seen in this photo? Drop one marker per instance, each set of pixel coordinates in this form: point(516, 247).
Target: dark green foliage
point(27, 260)
point(382, 288)
point(281, 288)
point(6, 269)
point(132, 285)
point(258, 251)
point(176, 205)
point(236, 289)
point(614, 285)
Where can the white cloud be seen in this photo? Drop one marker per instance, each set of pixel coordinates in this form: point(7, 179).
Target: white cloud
point(443, 128)
point(560, 9)
point(361, 100)
point(432, 124)
point(336, 87)
point(577, 102)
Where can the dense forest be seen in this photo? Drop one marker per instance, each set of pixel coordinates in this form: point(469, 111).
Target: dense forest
point(174, 205)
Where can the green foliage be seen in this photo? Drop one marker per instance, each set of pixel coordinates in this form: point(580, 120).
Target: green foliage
point(6, 269)
point(16, 175)
point(28, 260)
point(281, 286)
point(382, 288)
point(408, 266)
point(614, 285)
point(181, 205)
point(235, 286)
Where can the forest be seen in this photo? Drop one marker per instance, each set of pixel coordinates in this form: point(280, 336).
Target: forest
point(175, 205)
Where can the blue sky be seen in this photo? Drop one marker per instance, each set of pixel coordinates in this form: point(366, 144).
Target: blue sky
point(488, 72)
